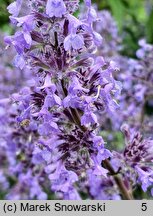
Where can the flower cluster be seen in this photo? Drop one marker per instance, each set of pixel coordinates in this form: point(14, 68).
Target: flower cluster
point(136, 96)
point(71, 85)
point(11, 79)
point(21, 175)
point(138, 155)
point(62, 94)
point(135, 75)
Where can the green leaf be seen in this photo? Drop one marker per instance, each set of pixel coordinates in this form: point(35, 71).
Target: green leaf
point(149, 28)
point(118, 10)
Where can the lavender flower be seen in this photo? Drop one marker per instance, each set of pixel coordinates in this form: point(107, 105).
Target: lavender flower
point(73, 41)
point(55, 8)
point(138, 155)
point(11, 79)
point(14, 8)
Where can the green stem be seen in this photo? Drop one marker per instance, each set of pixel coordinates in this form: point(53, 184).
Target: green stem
point(123, 190)
point(127, 195)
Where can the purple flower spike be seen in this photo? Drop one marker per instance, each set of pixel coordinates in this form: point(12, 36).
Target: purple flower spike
point(51, 137)
point(55, 8)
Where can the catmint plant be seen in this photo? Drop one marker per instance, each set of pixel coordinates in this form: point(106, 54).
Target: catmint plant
point(72, 84)
point(68, 97)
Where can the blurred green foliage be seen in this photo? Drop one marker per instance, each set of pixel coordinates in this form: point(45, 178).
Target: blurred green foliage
point(4, 15)
point(115, 140)
point(134, 19)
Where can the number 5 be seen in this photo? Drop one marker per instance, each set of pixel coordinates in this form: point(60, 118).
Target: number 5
point(144, 207)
